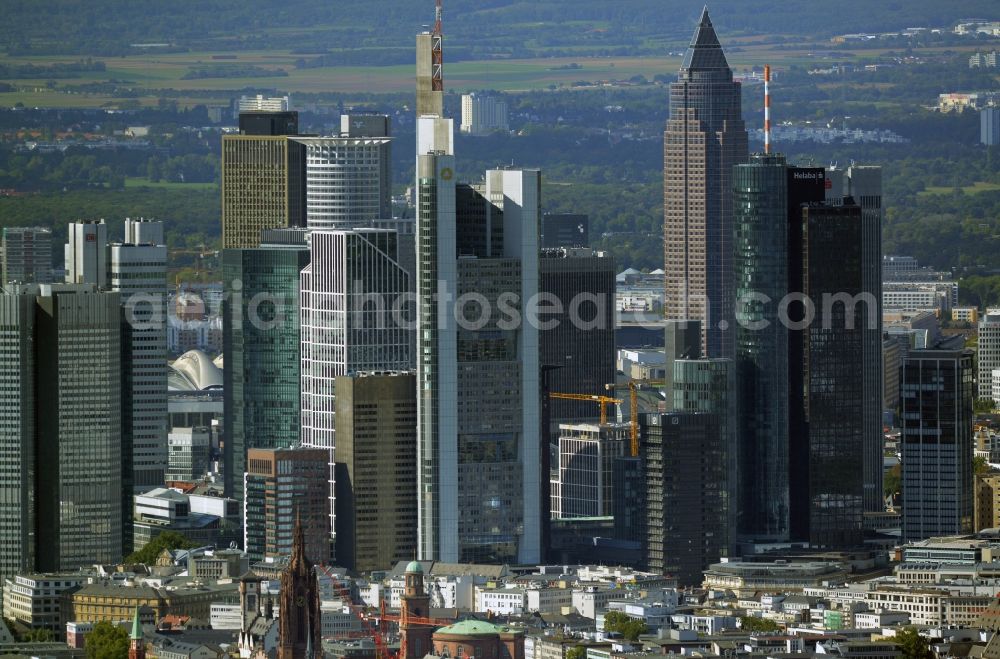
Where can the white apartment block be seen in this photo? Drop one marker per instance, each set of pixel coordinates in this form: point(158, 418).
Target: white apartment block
point(989, 353)
point(482, 115)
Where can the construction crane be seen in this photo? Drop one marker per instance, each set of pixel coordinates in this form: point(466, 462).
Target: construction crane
point(603, 400)
point(633, 400)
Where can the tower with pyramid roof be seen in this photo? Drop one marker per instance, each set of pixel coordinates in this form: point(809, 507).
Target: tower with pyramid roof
point(299, 626)
point(704, 138)
point(136, 643)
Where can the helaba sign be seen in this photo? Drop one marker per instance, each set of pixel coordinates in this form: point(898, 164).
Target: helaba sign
point(807, 176)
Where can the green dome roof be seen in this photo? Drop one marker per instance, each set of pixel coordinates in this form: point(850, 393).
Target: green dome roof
point(477, 628)
point(415, 566)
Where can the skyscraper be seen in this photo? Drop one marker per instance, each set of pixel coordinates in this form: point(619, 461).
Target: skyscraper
point(833, 364)
point(78, 422)
point(18, 434)
point(263, 178)
point(354, 318)
point(376, 479)
point(261, 348)
point(582, 342)
point(936, 438)
point(762, 347)
point(347, 181)
point(989, 353)
point(86, 253)
point(25, 255)
point(137, 269)
point(685, 493)
point(587, 454)
point(705, 137)
point(478, 380)
point(282, 487)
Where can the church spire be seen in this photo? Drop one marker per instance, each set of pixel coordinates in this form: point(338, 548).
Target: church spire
point(705, 51)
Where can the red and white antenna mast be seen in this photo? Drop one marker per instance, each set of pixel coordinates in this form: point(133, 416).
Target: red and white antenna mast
point(437, 56)
point(767, 108)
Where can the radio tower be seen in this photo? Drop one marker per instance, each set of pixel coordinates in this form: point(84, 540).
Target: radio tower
point(437, 56)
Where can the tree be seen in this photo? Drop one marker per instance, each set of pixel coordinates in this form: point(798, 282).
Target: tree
point(630, 628)
point(982, 405)
point(754, 624)
point(38, 635)
point(107, 641)
point(167, 540)
point(576, 652)
point(913, 645)
point(980, 465)
point(892, 483)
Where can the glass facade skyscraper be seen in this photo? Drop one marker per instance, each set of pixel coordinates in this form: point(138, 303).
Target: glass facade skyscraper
point(761, 278)
point(261, 349)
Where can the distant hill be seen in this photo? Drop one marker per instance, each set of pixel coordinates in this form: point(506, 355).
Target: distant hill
point(475, 27)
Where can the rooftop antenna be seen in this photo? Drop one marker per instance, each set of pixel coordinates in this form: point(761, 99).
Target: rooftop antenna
point(437, 57)
point(767, 108)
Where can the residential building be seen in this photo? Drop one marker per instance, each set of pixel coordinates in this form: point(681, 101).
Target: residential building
point(581, 341)
point(354, 314)
point(25, 255)
point(262, 375)
point(565, 230)
point(85, 253)
point(285, 486)
point(936, 441)
point(704, 138)
point(965, 314)
point(348, 180)
point(587, 454)
point(686, 511)
point(989, 353)
point(989, 126)
point(833, 366)
point(479, 383)
point(376, 472)
point(482, 115)
point(986, 501)
point(263, 178)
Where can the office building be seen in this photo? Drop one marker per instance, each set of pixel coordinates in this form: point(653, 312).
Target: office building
point(282, 487)
point(936, 443)
point(892, 359)
point(986, 501)
point(685, 493)
point(376, 474)
point(478, 437)
point(989, 353)
point(565, 230)
point(762, 347)
point(709, 386)
point(864, 186)
point(704, 138)
point(354, 315)
point(25, 255)
point(205, 520)
point(263, 178)
point(261, 103)
point(18, 433)
point(989, 126)
point(137, 270)
point(348, 181)
point(482, 115)
point(628, 483)
point(78, 425)
point(587, 455)
point(581, 342)
point(681, 340)
point(833, 367)
point(190, 451)
point(86, 253)
point(262, 374)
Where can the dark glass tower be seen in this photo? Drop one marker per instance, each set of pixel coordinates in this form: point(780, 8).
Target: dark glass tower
point(762, 347)
point(261, 348)
point(705, 137)
point(833, 349)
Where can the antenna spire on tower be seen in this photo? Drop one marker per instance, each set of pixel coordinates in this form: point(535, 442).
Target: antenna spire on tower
point(767, 108)
point(437, 56)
